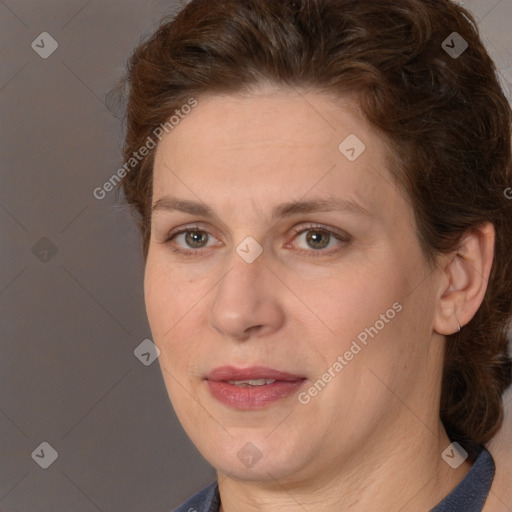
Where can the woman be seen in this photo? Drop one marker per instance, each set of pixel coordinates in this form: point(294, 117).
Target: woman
point(320, 189)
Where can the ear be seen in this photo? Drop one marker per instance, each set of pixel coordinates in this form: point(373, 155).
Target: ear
point(465, 274)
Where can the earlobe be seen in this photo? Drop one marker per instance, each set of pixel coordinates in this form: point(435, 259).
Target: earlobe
point(465, 275)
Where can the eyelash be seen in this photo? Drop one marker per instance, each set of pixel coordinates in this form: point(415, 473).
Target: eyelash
point(296, 232)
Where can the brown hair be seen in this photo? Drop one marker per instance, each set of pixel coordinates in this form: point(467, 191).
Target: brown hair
point(445, 118)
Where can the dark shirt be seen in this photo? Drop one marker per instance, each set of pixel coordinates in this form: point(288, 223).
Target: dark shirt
point(468, 496)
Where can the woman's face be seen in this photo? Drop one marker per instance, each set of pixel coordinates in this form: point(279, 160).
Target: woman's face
point(328, 311)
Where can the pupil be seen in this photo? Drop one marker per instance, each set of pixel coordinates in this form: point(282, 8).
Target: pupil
point(194, 237)
point(314, 239)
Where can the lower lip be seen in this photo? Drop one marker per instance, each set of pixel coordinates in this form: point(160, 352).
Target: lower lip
point(255, 397)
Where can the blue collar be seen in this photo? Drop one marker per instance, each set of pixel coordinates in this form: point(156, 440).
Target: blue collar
point(471, 493)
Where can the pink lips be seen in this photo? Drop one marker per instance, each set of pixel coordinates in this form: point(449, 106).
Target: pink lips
point(254, 397)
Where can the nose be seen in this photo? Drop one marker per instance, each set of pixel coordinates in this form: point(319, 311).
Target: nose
point(247, 301)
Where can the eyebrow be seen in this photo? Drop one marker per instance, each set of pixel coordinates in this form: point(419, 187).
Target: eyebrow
point(289, 209)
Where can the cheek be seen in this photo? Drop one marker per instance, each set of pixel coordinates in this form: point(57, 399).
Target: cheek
point(157, 300)
point(367, 311)
point(173, 308)
point(353, 300)
point(166, 304)
point(165, 293)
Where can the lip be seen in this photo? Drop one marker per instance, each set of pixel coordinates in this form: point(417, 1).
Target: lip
point(257, 397)
point(254, 372)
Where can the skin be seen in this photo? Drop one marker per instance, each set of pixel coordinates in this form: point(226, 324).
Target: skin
point(372, 438)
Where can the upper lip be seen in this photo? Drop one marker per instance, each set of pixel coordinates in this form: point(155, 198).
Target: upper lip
point(227, 373)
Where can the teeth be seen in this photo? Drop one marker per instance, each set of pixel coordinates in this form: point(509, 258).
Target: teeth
point(250, 383)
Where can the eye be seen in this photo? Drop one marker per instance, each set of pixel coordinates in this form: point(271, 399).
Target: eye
point(319, 239)
point(193, 238)
point(192, 241)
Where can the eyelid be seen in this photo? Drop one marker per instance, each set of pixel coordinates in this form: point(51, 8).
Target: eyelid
point(185, 229)
point(339, 234)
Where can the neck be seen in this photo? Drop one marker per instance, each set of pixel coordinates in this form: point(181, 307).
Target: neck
point(409, 474)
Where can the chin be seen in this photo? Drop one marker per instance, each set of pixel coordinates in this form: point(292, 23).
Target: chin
point(255, 458)
point(265, 470)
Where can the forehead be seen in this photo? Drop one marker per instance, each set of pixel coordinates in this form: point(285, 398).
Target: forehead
point(271, 145)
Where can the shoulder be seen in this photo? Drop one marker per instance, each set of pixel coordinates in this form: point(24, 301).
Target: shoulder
point(206, 500)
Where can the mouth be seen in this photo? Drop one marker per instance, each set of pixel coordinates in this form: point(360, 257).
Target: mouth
point(251, 383)
point(251, 388)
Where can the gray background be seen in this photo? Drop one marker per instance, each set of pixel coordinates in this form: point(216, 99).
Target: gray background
point(70, 321)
